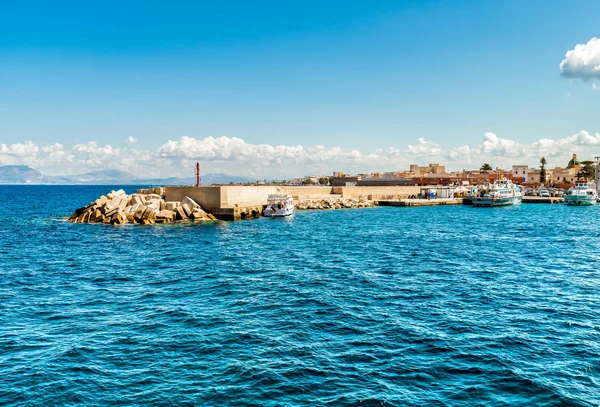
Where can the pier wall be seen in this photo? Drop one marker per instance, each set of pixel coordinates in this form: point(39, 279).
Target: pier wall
point(232, 196)
point(307, 191)
point(236, 202)
point(208, 197)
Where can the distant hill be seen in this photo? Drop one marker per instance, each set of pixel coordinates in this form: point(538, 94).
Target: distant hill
point(22, 174)
point(103, 177)
point(19, 174)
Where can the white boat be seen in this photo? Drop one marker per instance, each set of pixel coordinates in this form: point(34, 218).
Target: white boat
point(279, 205)
point(501, 192)
point(581, 194)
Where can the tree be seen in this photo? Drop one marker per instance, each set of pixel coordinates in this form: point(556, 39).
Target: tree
point(588, 171)
point(543, 171)
point(325, 180)
point(486, 167)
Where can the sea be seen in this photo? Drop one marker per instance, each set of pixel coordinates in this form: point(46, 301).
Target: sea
point(384, 306)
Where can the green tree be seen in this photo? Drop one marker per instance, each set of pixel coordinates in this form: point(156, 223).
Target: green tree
point(325, 180)
point(486, 167)
point(543, 171)
point(588, 171)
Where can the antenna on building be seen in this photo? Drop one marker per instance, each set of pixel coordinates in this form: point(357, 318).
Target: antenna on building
point(198, 179)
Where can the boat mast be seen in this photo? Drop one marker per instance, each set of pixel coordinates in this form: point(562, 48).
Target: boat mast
point(597, 172)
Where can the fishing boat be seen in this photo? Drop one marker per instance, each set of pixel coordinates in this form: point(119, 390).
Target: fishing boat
point(582, 193)
point(501, 192)
point(279, 205)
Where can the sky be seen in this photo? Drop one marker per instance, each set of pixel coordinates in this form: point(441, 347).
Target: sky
point(275, 89)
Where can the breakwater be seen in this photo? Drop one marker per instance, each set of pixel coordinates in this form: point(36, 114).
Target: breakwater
point(147, 206)
point(175, 203)
point(333, 203)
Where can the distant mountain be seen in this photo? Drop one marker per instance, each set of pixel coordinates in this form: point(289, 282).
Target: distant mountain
point(220, 178)
point(22, 174)
point(207, 179)
point(19, 174)
point(102, 177)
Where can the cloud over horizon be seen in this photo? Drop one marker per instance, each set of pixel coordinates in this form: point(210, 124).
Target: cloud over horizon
point(235, 156)
point(583, 61)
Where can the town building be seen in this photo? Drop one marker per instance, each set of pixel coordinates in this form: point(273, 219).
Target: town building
point(417, 171)
point(534, 177)
point(519, 173)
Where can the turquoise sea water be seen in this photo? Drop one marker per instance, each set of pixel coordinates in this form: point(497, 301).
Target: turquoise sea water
point(441, 306)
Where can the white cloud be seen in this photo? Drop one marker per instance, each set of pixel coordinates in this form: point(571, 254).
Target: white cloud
point(27, 149)
point(583, 61)
point(236, 156)
point(132, 140)
point(425, 148)
point(496, 146)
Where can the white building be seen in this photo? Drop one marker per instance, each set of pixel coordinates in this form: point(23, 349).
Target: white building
point(519, 173)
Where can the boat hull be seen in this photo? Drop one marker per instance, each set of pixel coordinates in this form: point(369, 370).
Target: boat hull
point(503, 201)
point(580, 200)
point(278, 213)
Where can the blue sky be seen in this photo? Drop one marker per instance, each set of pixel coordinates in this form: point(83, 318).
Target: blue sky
point(359, 76)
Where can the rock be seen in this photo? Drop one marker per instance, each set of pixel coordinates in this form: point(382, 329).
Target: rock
point(153, 203)
point(111, 211)
point(138, 214)
point(80, 211)
point(171, 205)
point(118, 218)
point(96, 216)
point(186, 209)
point(165, 216)
point(180, 213)
point(149, 213)
point(137, 199)
point(333, 203)
point(197, 216)
point(190, 202)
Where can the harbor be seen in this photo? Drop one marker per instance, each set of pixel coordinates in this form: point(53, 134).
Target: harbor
point(233, 202)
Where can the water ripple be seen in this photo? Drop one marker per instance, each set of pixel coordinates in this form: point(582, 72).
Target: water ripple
point(446, 306)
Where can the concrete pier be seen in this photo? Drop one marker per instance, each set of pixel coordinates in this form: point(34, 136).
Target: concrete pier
point(233, 202)
point(420, 202)
point(542, 200)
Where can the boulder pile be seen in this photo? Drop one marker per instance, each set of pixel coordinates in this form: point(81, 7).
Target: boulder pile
point(333, 203)
point(147, 206)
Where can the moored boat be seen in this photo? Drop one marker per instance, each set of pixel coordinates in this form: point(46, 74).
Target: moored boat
point(502, 192)
point(583, 193)
point(279, 205)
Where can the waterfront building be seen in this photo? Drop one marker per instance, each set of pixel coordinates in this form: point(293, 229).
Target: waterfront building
point(519, 173)
point(574, 162)
point(534, 176)
point(417, 171)
point(565, 175)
